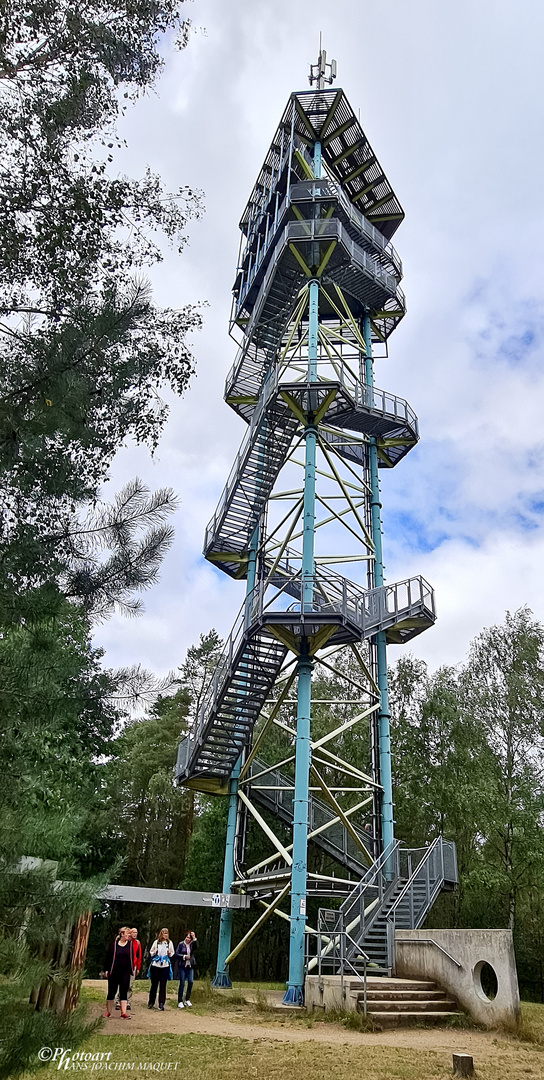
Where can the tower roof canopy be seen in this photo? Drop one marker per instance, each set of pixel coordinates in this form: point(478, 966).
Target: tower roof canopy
point(326, 116)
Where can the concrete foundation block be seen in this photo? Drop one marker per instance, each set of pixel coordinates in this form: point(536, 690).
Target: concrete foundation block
point(327, 993)
point(476, 967)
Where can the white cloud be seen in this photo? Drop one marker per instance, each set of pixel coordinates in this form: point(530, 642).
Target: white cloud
point(451, 101)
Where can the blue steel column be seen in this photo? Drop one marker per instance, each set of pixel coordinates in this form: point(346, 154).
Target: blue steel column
point(295, 985)
point(384, 737)
point(222, 978)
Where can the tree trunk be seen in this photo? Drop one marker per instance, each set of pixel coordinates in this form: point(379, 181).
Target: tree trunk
point(77, 962)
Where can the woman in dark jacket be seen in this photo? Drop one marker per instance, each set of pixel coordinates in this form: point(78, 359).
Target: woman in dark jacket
point(186, 967)
point(119, 968)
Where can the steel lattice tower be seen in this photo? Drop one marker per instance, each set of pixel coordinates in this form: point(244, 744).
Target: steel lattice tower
point(317, 290)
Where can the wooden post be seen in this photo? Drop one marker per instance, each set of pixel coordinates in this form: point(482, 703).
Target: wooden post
point(77, 962)
point(463, 1065)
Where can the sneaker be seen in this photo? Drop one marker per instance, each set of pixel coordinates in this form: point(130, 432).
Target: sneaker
point(188, 1004)
point(161, 1007)
point(150, 1006)
point(180, 1005)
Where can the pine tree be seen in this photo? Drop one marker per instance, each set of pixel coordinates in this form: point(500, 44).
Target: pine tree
point(84, 353)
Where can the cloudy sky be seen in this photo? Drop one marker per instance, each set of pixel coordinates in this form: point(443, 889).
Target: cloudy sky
point(451, 97)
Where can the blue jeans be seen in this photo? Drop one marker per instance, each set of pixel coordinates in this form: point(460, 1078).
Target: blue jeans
point(186, 975)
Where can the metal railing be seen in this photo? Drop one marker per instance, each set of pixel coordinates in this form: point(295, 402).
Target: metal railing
point(421, 889)
point(369, 610)
point(234, 477)
point(302, 192)
point(224, 666)
point(371, 888)
point(429, 941)
point(276, 792)
point(326, 188)
point(335, 954)
point(376, 608)
point(380, 401)
point(315, 230)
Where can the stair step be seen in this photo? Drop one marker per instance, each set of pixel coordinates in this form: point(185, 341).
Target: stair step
point(397, 1019)
point(411, 1006)
point(406, 995)
point(393, 983)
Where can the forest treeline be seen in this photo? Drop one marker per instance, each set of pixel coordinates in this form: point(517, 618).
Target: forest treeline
point(467, 746)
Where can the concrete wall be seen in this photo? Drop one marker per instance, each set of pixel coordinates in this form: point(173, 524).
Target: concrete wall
point(417, 957)
point(329, 993)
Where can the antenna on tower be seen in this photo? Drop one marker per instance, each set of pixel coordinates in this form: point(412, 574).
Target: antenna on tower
point(322, 72)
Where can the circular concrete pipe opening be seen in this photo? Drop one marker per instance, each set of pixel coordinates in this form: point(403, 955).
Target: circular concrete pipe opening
point(486, 983)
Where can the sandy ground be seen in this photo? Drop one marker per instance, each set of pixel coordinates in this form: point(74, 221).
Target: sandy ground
point(481, 1045)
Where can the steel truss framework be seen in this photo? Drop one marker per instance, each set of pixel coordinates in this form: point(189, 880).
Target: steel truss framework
point(318, 286)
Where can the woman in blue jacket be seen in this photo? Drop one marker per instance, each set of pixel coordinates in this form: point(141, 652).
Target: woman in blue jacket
point(186, 967)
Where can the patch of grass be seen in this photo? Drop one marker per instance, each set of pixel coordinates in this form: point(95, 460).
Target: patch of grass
point(463, 1022)
point(531, 1026)
point(206, 1057)
point(353, 1021)
point(260, 1002)
point(98, 993)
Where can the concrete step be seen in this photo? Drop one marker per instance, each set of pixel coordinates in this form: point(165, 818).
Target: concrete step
point(375, 982)
point(405, 995)
point(446, 1005)
point(400, 1019)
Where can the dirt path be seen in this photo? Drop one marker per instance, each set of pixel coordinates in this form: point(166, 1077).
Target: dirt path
point(240, 1024)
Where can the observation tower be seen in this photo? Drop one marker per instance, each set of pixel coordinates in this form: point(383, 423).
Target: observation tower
point(316, 298)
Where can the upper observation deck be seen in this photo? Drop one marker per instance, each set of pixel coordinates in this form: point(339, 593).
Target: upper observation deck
point(326, 116)
point(336, 228)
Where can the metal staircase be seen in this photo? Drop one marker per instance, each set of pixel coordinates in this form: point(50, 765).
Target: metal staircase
point(242, 681)
point(396, 893)
point(253, 657)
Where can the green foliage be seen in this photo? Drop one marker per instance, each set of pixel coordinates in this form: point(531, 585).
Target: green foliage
point(84, 353)
point(166, 840)
point(56, 721)
point(468, 751)
point(142, 812)
point(84, 350)
point(198, 667)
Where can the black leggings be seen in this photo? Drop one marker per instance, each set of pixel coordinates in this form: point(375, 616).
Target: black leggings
point(159, 978)
point(118, 980)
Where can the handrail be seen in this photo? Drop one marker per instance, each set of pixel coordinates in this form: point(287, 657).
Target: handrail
point(361, 223)
point(333, 938)
point(373, 871)
point(324, 229)
point(322, 807)
point(326, 188)
point(367, 608)
point(381, 401)
point(223, 666)
point(424, 865)
point(428, 941)
point(413, 876)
